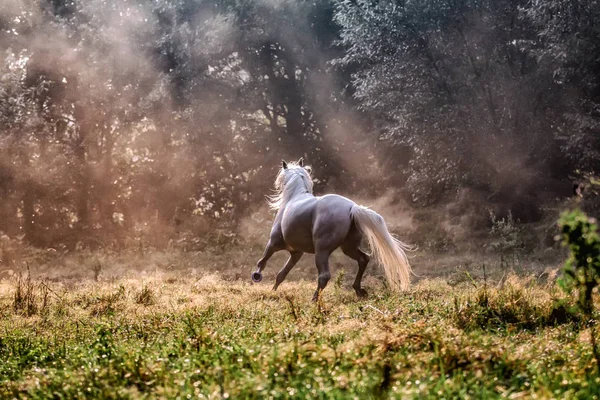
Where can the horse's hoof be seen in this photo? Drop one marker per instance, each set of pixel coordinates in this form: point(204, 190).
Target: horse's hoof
point(362, 293)
point(256, 277)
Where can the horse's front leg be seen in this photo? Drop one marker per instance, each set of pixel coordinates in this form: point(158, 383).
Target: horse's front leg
point(260, 265)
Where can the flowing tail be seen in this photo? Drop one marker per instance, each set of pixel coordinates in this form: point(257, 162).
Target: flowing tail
point(388, 250)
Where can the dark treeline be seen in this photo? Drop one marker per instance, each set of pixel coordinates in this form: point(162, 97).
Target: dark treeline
point(159, 118)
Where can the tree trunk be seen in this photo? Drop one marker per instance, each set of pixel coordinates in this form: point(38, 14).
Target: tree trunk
point(83, 194)
point(29, 212)
point(106, 193)
point(293, 101)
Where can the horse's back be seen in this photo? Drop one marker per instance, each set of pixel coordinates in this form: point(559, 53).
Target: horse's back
point(314, 223)
point(334, 202)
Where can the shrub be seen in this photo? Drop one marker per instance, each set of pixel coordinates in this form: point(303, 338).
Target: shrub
point(512, 306)
point(582, 269)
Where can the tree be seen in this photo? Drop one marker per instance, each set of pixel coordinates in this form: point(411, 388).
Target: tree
point(160, 114)
point(567, 46)
point(451, 83)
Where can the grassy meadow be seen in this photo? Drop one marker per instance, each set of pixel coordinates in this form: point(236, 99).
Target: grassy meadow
point(175, 334)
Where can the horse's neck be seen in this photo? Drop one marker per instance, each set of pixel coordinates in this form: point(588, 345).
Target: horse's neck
point(296, 197)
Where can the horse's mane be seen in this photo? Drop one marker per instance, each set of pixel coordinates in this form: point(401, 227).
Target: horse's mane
point(290, 182)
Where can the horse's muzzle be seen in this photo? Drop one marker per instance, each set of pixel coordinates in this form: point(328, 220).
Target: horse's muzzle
point(256, 277)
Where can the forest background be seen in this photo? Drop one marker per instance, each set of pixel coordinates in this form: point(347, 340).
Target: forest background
point(161, 124)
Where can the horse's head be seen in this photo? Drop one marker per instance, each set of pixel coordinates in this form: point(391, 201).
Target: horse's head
point(293, 178)
point(292, 170)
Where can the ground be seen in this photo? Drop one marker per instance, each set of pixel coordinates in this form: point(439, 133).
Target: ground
point(176, 332)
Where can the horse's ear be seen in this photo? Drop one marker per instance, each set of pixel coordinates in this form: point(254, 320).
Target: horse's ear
point(283, 164)
point(301, 162)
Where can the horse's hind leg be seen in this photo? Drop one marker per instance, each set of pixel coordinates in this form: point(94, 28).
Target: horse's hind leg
point(322, 261)
point(291, 262)
point(352, 251)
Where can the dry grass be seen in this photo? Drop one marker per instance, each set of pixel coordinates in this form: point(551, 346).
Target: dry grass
point(176, 333)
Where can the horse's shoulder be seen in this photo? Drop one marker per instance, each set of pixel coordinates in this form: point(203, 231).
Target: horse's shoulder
point(333, 196)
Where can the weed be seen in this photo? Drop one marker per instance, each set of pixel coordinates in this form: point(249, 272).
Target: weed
point(44, 294)
point(96, 269)
point(506, 233)
point(293, 309)
point(24, 298)
point(339, 279)
point(145, 296)
point(512, 307)
point(105, 305)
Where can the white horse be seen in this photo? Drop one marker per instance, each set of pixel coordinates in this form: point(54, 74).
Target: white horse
point(319, 225)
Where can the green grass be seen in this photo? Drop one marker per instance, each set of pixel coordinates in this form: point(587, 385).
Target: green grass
point(183, 337)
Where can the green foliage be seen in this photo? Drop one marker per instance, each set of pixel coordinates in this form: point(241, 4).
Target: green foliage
point(582, 269)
